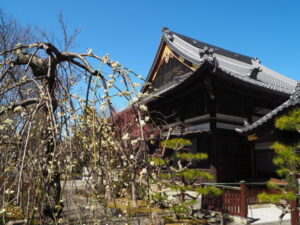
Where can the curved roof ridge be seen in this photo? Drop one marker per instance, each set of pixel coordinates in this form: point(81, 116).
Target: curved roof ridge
point(244, 67)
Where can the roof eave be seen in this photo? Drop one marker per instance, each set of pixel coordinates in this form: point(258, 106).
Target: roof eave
point(203, 67)
point(280, 110)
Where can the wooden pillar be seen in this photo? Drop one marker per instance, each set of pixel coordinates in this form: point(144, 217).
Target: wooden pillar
point(213, 156)
point(253, 169)
point(212, 110)
point(243, 200)
point(294, 212)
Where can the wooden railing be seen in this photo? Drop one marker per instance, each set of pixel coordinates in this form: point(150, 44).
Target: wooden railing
point(235, 197)
point(233, 200)
point(294, 205)
point(254, 189)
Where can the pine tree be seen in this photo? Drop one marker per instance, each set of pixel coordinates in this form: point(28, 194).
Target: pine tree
point(287, 159)
point(178, 175)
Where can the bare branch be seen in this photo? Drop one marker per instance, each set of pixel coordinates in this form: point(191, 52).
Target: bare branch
point(24, 103)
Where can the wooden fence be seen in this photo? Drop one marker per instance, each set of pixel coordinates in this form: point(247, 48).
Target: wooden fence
point(237, 196)
point(232, 201)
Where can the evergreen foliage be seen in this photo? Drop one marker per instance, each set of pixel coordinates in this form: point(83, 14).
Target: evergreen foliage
point(287, 160)
point(291, 121)
point(178, 175)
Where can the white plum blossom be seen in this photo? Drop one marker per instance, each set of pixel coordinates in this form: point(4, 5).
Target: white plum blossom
point(143, 107)
point(115, 64)
point(32, 45)
point(142, 123)
point(60, 114)
point(89, 51)
point(142, 95)
point(102, 108)
point(9, 191)
point(105, 58)
point(2, 211)
point(134, 142)
point(126, 137)
point(8, 121)
point(133, 100)
point(143, 171)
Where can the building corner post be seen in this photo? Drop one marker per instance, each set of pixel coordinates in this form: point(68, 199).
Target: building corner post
point(294, 212)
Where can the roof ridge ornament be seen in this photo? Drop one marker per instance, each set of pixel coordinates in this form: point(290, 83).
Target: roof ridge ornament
point(254, 71)
point(167, 33)
point(257, 60)
point(206, 51)
point(165, 29)
point(208, 55)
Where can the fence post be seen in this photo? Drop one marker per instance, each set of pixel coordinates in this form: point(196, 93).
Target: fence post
point(294, 212)
point(243, 199)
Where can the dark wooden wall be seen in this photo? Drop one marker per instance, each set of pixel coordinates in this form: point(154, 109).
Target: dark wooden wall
point(231, 156)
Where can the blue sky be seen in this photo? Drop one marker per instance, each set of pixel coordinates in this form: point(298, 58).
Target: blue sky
point(130, 30)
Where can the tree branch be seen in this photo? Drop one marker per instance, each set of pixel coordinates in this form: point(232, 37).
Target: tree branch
point(24, 103)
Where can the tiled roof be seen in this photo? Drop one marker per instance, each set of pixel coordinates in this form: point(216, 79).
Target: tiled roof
point(236, 65)
point(293, 101)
